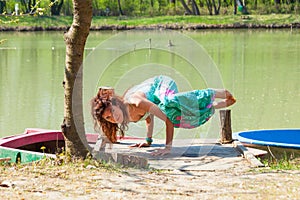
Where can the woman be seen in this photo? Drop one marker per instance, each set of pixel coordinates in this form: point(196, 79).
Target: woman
point(157, 96)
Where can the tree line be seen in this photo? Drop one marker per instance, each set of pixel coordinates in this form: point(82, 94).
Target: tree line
point(152, 7)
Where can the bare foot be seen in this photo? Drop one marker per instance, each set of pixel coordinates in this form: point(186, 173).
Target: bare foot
point(230, 100)
point(227, 97)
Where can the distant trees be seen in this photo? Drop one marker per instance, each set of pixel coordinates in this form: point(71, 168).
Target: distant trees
point(28, 6)
point(191, 7)
point(156, 7)
point(56, 6)
point(213, 6)
point(32, 7)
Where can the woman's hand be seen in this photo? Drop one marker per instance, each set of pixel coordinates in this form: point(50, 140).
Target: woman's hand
point(158, 152)
point(139, 145)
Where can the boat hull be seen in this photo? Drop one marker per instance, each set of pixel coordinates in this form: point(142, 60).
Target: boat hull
point(34, 144)
point(20, 156)
point(278, 142)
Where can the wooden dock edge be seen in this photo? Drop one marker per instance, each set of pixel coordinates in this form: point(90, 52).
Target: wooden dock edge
point(247, 154)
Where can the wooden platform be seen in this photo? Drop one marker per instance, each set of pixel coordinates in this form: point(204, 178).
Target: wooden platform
point(192, 155)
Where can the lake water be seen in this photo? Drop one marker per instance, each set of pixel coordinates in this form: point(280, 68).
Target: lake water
point(260, 67)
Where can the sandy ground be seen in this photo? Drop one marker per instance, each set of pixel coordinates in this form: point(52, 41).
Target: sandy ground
point(82, 180)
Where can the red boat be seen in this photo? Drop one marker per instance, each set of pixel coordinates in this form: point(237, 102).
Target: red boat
point(33, 139)
point(34, 144)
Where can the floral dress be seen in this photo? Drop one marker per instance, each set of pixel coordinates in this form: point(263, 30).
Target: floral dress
point(184, 109)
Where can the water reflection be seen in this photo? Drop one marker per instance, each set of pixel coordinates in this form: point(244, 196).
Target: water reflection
point(262, 68)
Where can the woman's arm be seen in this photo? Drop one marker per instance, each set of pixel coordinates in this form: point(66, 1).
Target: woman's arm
point(141, 102)
point(150, 125)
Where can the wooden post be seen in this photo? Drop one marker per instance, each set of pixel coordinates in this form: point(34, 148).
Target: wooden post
point(226, 132)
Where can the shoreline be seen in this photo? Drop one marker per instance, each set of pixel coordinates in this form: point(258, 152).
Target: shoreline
point(158, 26)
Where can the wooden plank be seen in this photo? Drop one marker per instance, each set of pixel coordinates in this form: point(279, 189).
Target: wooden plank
point(257, 152)
point(247, 154)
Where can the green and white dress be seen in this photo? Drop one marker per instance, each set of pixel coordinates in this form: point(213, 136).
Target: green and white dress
point(185, 109)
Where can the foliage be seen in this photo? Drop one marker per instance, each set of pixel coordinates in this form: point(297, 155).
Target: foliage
point(65, 21)
point(151, 7)
point(12, 7)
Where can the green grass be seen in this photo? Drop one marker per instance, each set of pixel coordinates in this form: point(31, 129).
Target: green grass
point(63, 21)
point(282, 165)
point(30, 21)
point(284, 162)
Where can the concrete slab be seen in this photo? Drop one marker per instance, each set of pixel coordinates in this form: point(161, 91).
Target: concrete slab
point(198, 154)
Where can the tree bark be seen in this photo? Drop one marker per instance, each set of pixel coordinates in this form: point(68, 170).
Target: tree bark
point(196, 10)
point(56, 7)
point(75, 39)
point(120, 8)
point(29, 6)
point(234, 7)
point(209, 6)
point(187, 9)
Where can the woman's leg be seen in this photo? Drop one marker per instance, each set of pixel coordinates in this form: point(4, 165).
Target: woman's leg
point(227, 97)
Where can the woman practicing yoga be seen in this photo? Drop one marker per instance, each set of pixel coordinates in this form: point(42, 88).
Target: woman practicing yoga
point(157, 96)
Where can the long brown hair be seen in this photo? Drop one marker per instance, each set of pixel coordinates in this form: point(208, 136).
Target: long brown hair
point(98, 104)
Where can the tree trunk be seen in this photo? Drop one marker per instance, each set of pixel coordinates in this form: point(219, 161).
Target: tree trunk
point(234, 7)
point(27, 5)
point(56, 7)
point(2, 6)
point(255, 5)
point(217, 8)
point(196, 10)
point(209, 6)
point(120, 8)
point(75, 38)
point(151, 3)
point(278, 2)
point(32, 6)
point(187, 9)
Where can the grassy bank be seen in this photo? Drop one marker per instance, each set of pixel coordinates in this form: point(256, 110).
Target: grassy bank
point(46, 22)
